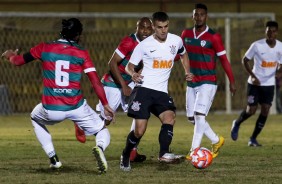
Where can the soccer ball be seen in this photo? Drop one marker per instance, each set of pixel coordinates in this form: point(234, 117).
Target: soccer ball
point(201, 158)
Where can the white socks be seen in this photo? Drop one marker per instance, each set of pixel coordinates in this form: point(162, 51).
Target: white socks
point(44, 138)
point(103, 138)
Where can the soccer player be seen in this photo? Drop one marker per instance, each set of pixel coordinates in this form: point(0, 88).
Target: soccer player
point(63, 62)
point(266, 54)
point(151, 96)
point(203, 46)
point(117, 83)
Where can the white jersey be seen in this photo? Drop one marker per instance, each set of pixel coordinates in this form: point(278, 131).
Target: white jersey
point(158, 59)
point(266, 60)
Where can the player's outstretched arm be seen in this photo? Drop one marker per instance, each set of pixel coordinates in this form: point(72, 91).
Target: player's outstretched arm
point(13, 57)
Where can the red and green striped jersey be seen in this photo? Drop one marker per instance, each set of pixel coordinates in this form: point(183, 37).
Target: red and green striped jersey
point(202, 49)
point(124, 50)
point(62, 64)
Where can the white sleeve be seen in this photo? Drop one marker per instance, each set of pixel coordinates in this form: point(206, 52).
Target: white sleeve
point(181, 48)
point(137, 55)
point(251, 51)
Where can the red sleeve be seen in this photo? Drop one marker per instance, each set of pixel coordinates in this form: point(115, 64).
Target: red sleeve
point(227, 68)
point(90, 71)
point(217, 44)
point(221, 53)
point(36, 51)
point(17, 60)
point(126, 45)
point(98, 87)
point(87, 61)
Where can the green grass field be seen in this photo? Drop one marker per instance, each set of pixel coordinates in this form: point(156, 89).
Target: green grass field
point(23, 161)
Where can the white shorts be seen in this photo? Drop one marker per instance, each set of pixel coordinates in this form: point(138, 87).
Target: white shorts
point(199, 99)
point(84, 116)
point(115, 99)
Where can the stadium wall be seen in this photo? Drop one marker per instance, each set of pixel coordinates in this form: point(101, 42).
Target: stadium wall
point(232, 6)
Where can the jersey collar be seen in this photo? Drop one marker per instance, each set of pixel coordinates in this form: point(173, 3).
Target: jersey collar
point(197, 37)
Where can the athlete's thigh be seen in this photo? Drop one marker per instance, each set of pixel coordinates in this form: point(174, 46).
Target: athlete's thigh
point(252, 95)
point(47, 117)
point(266, 94)
point(139, 107)
point(162, 102)
point(190, 101)
point(204, 98)
point(86, 118)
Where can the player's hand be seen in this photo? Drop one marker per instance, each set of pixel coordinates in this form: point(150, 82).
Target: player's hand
point(9, 53)
point(232, 88)
point(255, 81)
point(109, 113)
point(189, 76)
point(126, 90)
point(137, 78)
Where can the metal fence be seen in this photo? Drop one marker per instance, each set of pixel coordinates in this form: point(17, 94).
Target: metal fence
point(21, 86)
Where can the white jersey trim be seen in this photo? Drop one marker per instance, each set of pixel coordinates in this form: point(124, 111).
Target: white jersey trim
point(90, 70)
point(119, 53)
point(221, 53)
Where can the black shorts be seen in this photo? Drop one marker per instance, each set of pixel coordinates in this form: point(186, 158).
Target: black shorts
point(260, 94)
point(145, 101)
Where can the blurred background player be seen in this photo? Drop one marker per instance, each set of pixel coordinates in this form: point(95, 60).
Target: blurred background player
point(151, 95)
point(117, 83)
point(266, 54)
point(63, 62)
point(203, 46)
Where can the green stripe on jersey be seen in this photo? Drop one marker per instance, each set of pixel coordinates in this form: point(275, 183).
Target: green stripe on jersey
point(61, 92)
point(53, 57)
point(195, 84)
point(199, 57)
point(198, 71)
point(63, 107)
point(51, 75)
point(198, 43)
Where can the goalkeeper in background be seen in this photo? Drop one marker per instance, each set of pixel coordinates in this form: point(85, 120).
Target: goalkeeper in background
point(117, 83)
point(63, 62)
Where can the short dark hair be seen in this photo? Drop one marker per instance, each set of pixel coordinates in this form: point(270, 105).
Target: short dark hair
point(160, 16)
point(271, 23)
point(201, 6)
point(71, 28)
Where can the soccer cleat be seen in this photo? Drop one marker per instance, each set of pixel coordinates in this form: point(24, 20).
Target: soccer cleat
point(136, 157)
point(124, 163)
point(79, 133)
point(188, 156)
point(217, 146)
point(253, 143)
point(55, 163)
point(101, 160)
point(234, 130)
point(169, 158)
